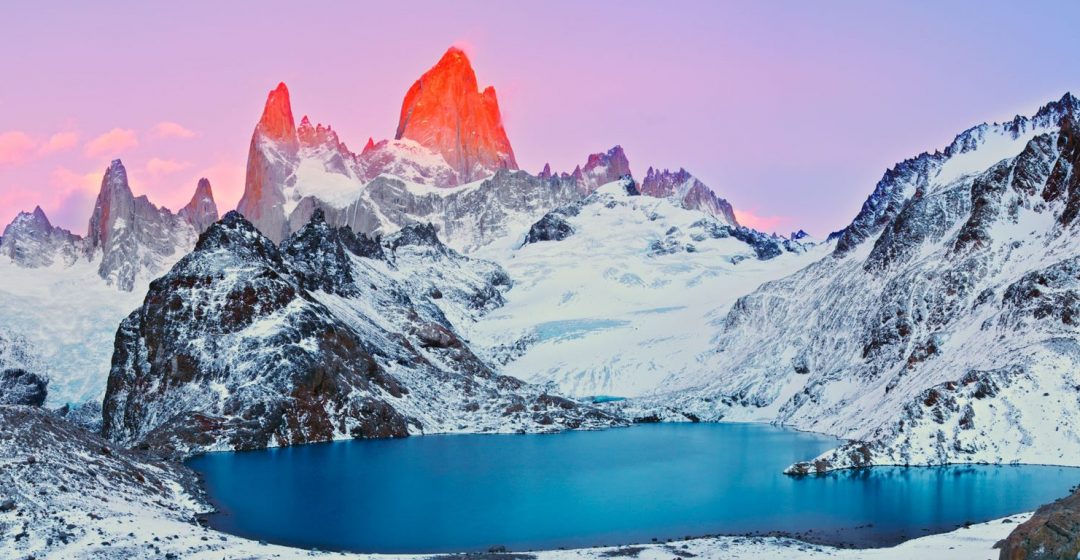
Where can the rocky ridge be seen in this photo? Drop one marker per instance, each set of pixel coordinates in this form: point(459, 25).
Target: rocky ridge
point(333, 335)
point(942, 328)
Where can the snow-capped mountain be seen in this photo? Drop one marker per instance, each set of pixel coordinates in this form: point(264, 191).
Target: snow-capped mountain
point(615, 294)
point(942, 328)
point(31, 241)
point(449, 164)
point(64, 294)
point(333, 335)
point(687, 191)
point(392, 183)
point(449, 133)
point(137, 240)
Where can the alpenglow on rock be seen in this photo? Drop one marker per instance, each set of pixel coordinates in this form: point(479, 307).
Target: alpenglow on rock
point(334, 335)
point(445, 111)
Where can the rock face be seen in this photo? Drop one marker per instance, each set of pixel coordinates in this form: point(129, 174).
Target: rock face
point(272, 160)
point(688, 191)
point(201, 211)
point(335, 335)
point(31, 241)
point(445, 112)
point(944, 326)
point(133, 237)
point(20, 387)
point(1052, 533)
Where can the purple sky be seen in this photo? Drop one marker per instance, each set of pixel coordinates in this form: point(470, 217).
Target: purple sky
point(790, 110)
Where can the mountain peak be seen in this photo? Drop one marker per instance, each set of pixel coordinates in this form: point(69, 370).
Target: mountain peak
point(39, 216)
point(445, 112)
point(689, 191)
point(201, 211)
point(277, 117)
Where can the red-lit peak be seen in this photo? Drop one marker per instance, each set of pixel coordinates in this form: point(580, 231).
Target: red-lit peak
point(277, 118)
point(445, 111)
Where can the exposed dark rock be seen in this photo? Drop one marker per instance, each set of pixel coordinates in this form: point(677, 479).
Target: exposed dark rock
point(18, 386)
point(242, 345)
point(1053, 533)
point(552, 227)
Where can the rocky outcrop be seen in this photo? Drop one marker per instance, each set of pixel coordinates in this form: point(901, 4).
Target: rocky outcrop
point(552, 227)
point(20, 387)
point(201, 211)
point(446, 112)
point(1052, 533)
point(31, 241)
point(688, 191)
point(243, 345)
point(134, 239)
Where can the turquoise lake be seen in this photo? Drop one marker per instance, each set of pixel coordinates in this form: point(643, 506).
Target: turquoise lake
point(526, 492)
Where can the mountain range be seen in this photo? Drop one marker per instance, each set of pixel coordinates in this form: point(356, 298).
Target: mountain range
point(426, 284)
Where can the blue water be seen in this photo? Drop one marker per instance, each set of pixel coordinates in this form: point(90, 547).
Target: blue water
point(471, 492)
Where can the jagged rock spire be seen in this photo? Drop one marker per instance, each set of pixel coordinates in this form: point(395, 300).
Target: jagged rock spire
point(445, 112)
point(201, 211)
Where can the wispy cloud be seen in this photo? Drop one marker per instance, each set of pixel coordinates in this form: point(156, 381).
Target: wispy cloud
point(111, 143)
point(59, 142)
point(158, 167)
point(16, 147)
point(766, 224)
point(169, 129)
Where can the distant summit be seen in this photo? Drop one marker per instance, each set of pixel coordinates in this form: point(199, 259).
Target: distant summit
point(445, 112)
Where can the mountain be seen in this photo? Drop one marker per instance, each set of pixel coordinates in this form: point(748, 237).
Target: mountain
point(450, 163)
point(201, 211)
point(445, 112)
point(942, 328)
point(687, 191)
point(135, 238)
point(615, 293)
point(31, 241)
point(393, 183)
point(64, 294)
point(333, 335)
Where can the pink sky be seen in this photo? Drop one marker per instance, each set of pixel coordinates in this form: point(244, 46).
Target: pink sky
point(790, 110)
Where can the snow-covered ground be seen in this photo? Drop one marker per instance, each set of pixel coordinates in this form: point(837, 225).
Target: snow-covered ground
point(626, 303)
point(69, 316)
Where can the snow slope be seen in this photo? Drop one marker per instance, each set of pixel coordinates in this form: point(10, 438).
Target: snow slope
point(942, 328)
point(626, 303)
point(69, 315)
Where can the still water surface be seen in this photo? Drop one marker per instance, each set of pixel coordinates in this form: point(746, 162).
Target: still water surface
point(574, 489)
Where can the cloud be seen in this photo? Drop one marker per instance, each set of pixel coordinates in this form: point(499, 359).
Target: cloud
point(766, 224)
point(59, 142)
point(16, 147)
point(66, 180)
point(158, 167)
point(111, 143)
point(168, 129)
